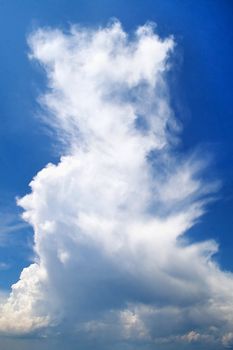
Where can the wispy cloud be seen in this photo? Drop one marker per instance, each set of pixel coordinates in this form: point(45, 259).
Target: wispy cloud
point(10, 223)
point(4, 266)
point(109, 220)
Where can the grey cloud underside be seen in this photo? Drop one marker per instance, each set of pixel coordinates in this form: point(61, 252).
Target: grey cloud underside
point(112, 262)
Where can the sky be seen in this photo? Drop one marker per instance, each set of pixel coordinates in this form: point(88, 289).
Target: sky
point(116, 174)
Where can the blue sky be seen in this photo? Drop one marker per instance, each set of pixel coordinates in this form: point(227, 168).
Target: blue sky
point(200, 88)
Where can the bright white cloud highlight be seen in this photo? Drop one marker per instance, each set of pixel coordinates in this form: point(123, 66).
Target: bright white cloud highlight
point(109, 219)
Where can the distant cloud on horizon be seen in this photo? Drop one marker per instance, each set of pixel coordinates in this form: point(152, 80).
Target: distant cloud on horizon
point(112, 262)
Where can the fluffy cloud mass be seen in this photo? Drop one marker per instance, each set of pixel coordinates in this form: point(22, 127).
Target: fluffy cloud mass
point(112, 262)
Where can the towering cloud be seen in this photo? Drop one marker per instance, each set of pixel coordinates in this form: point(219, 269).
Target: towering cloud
point(112, 261)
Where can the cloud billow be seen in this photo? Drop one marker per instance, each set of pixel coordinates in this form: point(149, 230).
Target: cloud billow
point(111, 258)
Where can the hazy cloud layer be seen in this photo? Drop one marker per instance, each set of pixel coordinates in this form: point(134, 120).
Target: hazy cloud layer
point(112, 263)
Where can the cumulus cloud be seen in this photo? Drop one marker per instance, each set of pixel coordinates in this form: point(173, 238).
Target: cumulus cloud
point(227, 340)
point(111, 257)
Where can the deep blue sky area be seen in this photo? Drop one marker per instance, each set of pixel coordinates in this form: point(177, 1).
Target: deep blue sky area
point(201, 85)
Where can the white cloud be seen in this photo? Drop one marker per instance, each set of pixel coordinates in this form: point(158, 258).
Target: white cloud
point(9, 224)
point(109, 219)
point(227, 340)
